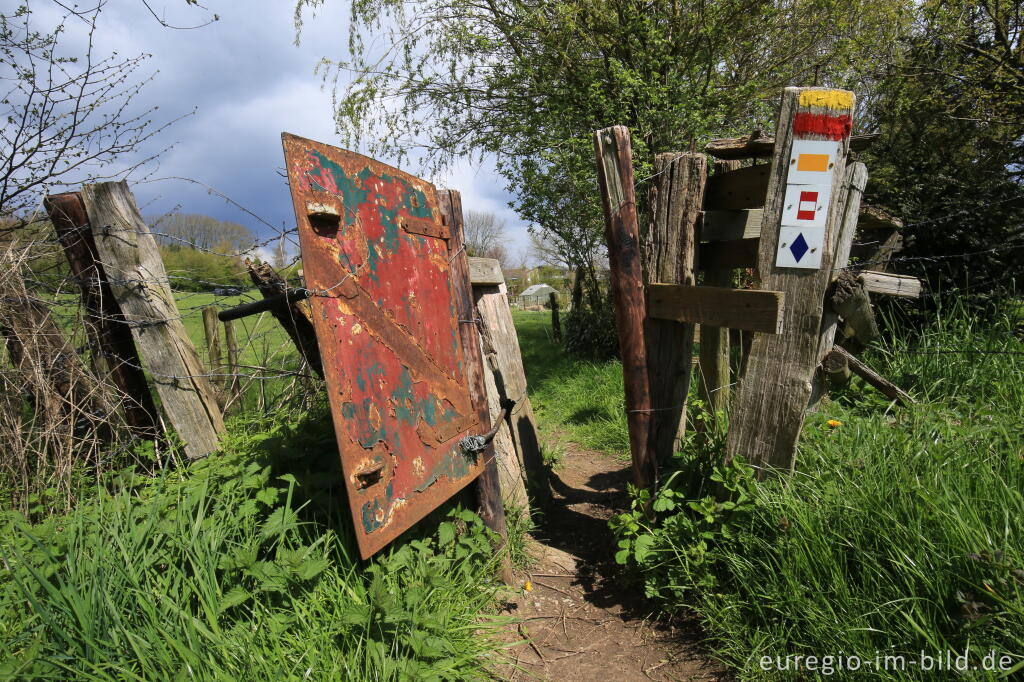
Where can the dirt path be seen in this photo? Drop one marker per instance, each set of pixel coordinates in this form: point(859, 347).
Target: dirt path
point(580, 620)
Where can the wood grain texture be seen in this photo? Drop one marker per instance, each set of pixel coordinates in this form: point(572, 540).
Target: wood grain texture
point(853, 304)
point(738, 189)
point(769, 406)
point(873, 378)
point(504, 364)
point(613, 152)
point(753, 310)
point(669, 254)
point(714, 382)
point(488, 485)
point(903, 286)
point(757, 146)
point(720, 226)
point(853, 190)
point(130, 258)
point(485, 271)
point(296, 317)
point(109, 337)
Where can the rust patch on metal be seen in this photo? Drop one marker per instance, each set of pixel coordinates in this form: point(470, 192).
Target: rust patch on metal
point(375, 255)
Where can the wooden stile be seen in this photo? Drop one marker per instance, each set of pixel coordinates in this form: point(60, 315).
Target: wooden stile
point(734, 255)
point(485, 272)
point(613, 151)
point(768, 410)
point(109, 335)
point(132, 263)
point(721, 226)
point(669, 253)
point(738, 189)
point(750, 309)
point(488, 486)
point(714, 383)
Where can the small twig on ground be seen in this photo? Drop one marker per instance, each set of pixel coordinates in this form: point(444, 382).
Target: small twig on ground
point(556, 589)
point(523, 631)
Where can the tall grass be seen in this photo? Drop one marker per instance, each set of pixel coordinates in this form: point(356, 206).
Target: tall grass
point(900, 533)
point(240, 567)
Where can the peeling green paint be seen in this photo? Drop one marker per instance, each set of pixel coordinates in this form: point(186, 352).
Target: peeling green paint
point(455, 465)
point(352, 193)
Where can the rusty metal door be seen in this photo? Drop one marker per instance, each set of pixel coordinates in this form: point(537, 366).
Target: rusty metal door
point(375, 254)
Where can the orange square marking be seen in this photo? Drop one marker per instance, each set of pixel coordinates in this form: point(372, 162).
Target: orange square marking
point(812, 162)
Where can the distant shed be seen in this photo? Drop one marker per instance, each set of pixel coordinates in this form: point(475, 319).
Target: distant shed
point(537, 294)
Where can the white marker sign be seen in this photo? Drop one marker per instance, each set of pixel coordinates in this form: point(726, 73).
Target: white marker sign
point(800, 247)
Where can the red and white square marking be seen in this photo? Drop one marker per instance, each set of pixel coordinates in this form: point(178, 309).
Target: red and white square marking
point(806, 205)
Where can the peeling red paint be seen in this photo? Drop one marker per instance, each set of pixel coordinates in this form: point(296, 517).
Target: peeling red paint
point(375, 252)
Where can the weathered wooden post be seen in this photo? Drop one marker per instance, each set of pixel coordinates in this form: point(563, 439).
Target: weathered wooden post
point(234, 385)
point(799, 230)
point(211, 331)
point(294, 315)
point(520, 463)
point(614, 154)
point(713, 366)
point(492, 509)
point(669, 253)
point(556, 324)
point(106, 326)
point(132, 263)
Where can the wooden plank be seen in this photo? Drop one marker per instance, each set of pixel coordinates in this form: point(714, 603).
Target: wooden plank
point(669, 252)
point(506, 380)
point(873, 378)
point(740, 253)
point(738, 189)
point(904, 286)
point(720, 226)
point(485, 271)
point(856, 181)
point(714, 381)
point(295, 316)
point(488, 485)
point(750, 309)
point(613, 151)
point(130, 258)
point(758, 145)
point(109, 336)
point(769, 406)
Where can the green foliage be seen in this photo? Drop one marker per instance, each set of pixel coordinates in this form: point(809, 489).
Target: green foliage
point(591, 332)
point(897, 534)
point(194, 270)
point(241, 566)
point(529, 82)
point(949, 160)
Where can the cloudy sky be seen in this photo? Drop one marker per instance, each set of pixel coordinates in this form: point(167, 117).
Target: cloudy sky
point(248, 82)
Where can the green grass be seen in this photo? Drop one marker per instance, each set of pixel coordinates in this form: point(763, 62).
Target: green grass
point(900, 532)
point(581, 398)
point(241, 566)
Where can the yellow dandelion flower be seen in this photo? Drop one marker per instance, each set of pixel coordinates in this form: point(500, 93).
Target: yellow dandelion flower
point(527, 586)
point(834, 423)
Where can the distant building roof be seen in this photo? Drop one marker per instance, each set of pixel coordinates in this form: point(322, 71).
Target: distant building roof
point(538, 290)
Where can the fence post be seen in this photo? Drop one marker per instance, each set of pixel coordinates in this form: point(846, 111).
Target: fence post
point(669, 255)
point(713, 365)
point(210, 329)
point(614, 154)
point(521, 465)
point(768, 411)
point(556, 324)
point(130, 258)
point(233, 385)
point(105, 324)
point(492, 509)
point(294, 316)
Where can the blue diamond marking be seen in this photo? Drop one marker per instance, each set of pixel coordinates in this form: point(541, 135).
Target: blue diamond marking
point(799, 247)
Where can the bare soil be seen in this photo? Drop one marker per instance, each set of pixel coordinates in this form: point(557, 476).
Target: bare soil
point(581, 620)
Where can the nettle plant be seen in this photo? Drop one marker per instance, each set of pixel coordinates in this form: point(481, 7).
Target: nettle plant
point(673, 538)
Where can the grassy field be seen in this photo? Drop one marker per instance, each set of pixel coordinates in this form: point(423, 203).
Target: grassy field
point(240, 567)
point(900, 535)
